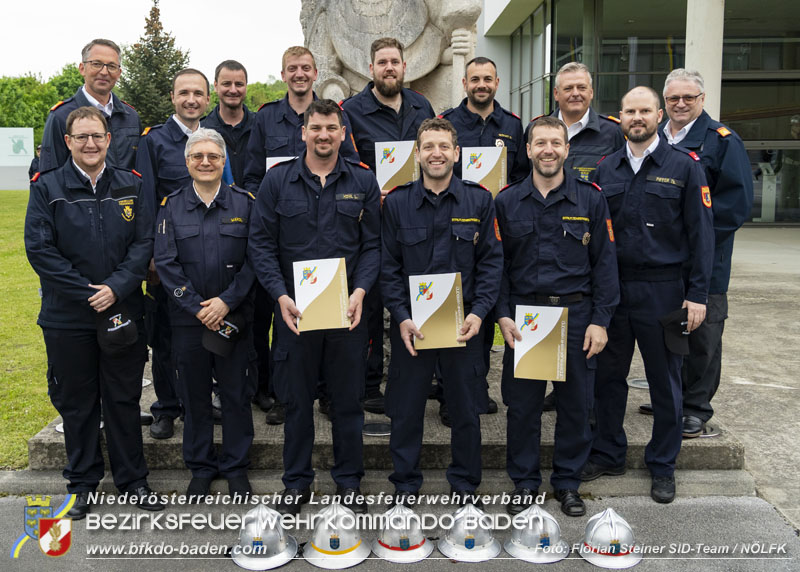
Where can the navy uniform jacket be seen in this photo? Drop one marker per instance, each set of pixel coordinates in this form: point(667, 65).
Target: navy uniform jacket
point(74, 237)
point(200, 252)
point(730, 179)
point(236, 138)
point(453, 234)
point(278, 132)
point(600, 138)
point(662, 217)
point(559, 245)
point(123, 124)
point(294, 219)
point(34, 168)
point(162, 162)
point(501, 129)
point(372, 121)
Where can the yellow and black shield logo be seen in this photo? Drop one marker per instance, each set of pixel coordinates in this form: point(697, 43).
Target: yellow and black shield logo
point(127, 212)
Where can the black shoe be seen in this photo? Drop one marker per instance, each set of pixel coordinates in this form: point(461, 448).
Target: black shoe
point(325, 407)
point(663, 489)
point(571, 502)
point(592, 470)
point(240, 486)
point(520, 500)
point(692, 427)
point(646, 409)
point(81, 507)
point(276, 415)
point(198, 487)
point(463, 498)
point(375, 403)
point(163, 427)
point(549, 402)
point(292, 500)
point(444, 415)
point(147, 498)
point(492, 408)
point(352, 499)
point(405, 498)
point(145, 418)
point(216, 415)
point(264, 401)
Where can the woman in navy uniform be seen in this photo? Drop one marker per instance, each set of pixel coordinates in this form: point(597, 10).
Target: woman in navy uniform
point(200, 255)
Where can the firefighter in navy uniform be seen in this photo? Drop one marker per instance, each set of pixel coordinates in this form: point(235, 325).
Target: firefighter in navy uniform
point(481, 121)
point(277, 132)
point(162, 163)
point(438, 224)
point(661, 209)
point(200, 255)
point(592, 135)
point(100, 69)
point(89, 237)
point(383, 111)
point(727, 168)
point(318, 206)
point(558, 245)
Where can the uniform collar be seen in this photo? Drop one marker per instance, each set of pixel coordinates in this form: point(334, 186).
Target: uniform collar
point(185, 130)
point(75, 178)
point(214, 118)
point(657, 151)
point(288, 112)
point(474, 118)
point(106, 109)
point(85, 100)
point(697, 132)
point(193, 199)
point(421, 194)
point(567, 190)
point(371, 103)
point(301, 171)
point(590, 117)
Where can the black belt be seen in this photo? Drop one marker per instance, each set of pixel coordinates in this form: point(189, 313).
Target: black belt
point(553, 300)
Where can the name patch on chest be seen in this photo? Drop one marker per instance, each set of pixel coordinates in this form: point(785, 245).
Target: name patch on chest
point(455, 219)
point(666, 180)
point(234, 220)
point(575, 218)
point(350, 196)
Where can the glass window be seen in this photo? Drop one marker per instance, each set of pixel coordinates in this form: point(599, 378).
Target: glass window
point(515, 57)
point(761, 35)
point(776, 185)
point(527, 52)
point(568, 23)
point(760, 110)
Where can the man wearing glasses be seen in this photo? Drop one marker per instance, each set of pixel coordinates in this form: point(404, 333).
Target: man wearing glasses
point(89, 237)
point(100, 70)
point(727, 169)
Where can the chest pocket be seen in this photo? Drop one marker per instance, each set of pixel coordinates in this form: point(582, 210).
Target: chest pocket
point(464, 239)
point(662, 202)
point(233, 243)
point(415, 248)
point(294, 224)
point(615, 196)
point(572, 252)
point(275, 142)
point(518, 228)
point(348, 220)
point(188, 243)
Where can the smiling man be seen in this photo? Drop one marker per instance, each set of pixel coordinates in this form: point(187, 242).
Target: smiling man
point(317, 206)
point(438, 224)
point(661, 209)
point(162, 164)
point(559, 251)
point(100, 68)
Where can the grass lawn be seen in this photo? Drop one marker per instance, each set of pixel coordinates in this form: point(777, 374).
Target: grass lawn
point(23, 389)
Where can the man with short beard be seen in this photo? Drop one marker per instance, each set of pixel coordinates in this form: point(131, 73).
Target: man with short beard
point(383, 111)
point(661, 209)
point(481, 121)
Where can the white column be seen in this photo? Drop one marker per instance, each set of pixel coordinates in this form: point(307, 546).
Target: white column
point(704, 23)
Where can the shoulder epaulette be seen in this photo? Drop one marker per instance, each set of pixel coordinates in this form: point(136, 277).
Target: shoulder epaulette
point(128, 104)
point(512, 113)
point(340, 105)
point(263, 105)
point(535, 118)
point(164, 201)
point(694, 155)
point(504, 188)
point(404, 185)
point(57, 105)
point(286, 160)
point(600, 160)
point(363, 164)
point(137, 173)
point(473, 183)
point(596, 186)
point(609, 117)
point(35, 177)
point(723, 131)
point(446, 112)
point(146, 131)
point(243, 191)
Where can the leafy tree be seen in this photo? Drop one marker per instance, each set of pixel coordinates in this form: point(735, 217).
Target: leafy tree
point(148, 68)
point(25, 102)
point(67, 81)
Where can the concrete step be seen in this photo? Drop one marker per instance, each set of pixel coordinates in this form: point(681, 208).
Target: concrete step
point(46, 449)
point(636, 482)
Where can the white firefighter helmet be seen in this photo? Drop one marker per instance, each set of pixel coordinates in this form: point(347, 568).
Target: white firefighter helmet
point(539, 540)
point(336, 542)
point(263, 542)
point(608, 541)
point(469, 544)
point(402, 540)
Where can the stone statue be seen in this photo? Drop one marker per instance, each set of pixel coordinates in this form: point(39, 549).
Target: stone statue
point(438, 35)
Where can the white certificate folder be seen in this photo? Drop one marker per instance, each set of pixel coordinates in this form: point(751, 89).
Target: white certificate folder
point(542, 352)
point(437, 309)
point(320, 291)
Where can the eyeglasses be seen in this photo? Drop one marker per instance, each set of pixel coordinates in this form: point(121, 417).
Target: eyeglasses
point(82, 138)
point(96, 65)
point(687, 99)
point(212, 157)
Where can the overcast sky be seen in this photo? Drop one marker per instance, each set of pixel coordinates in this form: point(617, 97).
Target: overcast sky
point(40, 36)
